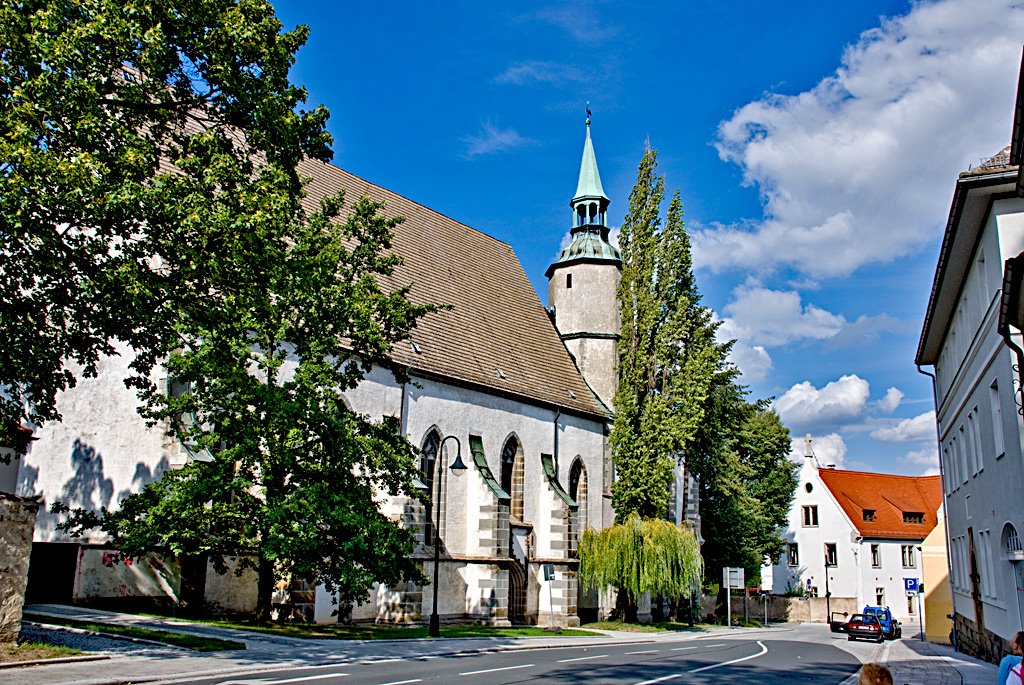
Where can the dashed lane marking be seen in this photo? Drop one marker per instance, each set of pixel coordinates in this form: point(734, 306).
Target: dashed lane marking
point(495, 670)
point(661, 679)
point(404, 682)
point(646, 651)
point(582, 658)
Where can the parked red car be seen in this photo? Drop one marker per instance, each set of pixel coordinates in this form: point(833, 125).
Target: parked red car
point(864, 627)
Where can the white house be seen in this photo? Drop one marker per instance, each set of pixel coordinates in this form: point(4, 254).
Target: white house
point(977, 406)
point(857, 535)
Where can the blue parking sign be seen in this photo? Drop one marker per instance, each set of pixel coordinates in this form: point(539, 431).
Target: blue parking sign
point(910, 584)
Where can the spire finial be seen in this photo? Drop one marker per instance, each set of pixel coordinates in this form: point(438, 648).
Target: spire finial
point(588, 113)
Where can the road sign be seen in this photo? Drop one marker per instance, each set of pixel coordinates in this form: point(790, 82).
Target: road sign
point(549, 571)
point(910, 584)
point(808, 584)
point(732, 577)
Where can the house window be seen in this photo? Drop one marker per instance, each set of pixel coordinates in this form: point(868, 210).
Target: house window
point(812, 591)
point(997, 419)
point(568, 281)
point(913, 517)
point(909, 561)
point(831, 558)
point(428, 460)
point(880, 596)
point(793, 554)
point(810, 516)
point(809, 487)
point(876, 557)
point(869, 514)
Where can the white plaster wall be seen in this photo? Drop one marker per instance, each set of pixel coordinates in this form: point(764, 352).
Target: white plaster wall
point(591, 304)
point(833, 526)
point(973, 357)
point(101, 451)
point(889, 575)
point(101, 574)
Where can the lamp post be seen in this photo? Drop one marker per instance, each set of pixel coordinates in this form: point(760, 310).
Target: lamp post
point(457, 468)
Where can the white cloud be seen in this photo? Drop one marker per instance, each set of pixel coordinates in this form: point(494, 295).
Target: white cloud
point(892, 399)
point(534, 71)
point(860, 168)
point(828, 449)
point(918, 428)
point(805, 407)
point(925, 461)
point(580, 20)
point(493, 139)
point(867, 329)
point(754, 362)
point(760, 316)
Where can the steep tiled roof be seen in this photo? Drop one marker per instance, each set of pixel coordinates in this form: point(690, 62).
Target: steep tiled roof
point(497, 335)
point(890, 497)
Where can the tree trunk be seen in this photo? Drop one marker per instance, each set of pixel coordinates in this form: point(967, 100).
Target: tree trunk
point(264, 590)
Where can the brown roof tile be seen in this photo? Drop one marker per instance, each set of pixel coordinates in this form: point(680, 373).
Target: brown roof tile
point(496, 322)
point(889, 496)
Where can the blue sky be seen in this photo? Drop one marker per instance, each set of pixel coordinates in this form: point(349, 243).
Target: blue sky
point(815, 146)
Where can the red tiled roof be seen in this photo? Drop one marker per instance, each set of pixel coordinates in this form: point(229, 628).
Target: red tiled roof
point(890, 497)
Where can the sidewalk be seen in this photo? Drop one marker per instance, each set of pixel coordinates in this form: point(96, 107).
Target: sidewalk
point(912, 661)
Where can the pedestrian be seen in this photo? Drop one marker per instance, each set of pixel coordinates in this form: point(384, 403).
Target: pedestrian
point(1010, 666)
point(875, 674)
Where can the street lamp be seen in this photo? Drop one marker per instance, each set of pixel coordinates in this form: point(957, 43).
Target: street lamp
point(457, 468)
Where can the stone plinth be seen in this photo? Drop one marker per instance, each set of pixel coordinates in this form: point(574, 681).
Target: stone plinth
point(17, 521)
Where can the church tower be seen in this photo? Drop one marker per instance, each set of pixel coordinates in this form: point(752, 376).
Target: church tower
point(583, 283)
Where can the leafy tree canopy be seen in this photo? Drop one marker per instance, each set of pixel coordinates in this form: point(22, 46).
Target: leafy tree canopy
point(642, 556)
point(667, 352)
point(151, 196)
point(117, 121)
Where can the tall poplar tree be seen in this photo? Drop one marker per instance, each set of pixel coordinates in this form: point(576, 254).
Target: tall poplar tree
point(667, 352)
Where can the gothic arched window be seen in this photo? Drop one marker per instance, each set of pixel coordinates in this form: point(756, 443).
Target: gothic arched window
point(512, 476)
point(578, 491)
point(428, 460)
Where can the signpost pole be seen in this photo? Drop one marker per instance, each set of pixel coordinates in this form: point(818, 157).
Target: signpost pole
point(920, 612)
point(728, 596)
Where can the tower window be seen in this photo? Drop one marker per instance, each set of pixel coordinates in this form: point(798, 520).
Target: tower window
point(568, 281)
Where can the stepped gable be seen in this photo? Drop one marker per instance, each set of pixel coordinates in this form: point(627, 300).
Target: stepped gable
point(497, 336)
point(890, 496)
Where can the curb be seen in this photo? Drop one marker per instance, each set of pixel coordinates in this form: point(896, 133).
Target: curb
point(58, 660)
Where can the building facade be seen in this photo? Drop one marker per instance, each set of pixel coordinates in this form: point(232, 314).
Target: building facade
point(856, 535)
point(527, 403)
point(977, 405)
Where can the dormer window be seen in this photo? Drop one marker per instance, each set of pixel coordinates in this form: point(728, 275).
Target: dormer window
point(869, 514)
point(913, 517)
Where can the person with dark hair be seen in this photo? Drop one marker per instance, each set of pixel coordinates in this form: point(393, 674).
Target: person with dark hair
point(1010, 666)
point(875, 674)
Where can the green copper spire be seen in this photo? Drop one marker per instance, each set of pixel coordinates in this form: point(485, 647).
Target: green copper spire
point(589, 186)
point(589, 231)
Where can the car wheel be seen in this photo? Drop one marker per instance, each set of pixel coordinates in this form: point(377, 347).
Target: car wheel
point(879, 638)
point(849, 638)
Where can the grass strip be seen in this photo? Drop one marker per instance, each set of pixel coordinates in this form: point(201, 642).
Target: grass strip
point(660, 627)
point(197, 643)
point(32, 651)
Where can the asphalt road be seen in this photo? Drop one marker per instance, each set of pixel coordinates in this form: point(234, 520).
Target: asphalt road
point(762, 661)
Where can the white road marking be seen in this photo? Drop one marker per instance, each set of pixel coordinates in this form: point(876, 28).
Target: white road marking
point(680, 649)
point(646, 651)
point(370, 662)
point(764, 650)
point(322, 676)
point(660, 680)
point(404, 682)
point(494, 670)
point(720, 644)
point(582, 658)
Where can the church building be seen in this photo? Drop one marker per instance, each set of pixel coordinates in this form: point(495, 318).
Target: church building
point(522, 393)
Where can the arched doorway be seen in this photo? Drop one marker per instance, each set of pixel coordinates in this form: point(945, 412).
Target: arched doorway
point(516, 593)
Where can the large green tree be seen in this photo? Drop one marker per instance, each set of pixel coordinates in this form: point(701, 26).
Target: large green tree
point(667, 354)
point(150, 195)
point(110, 115)
point(746, 481)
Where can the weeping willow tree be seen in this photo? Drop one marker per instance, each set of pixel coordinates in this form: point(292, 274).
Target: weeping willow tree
point(642, 556)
